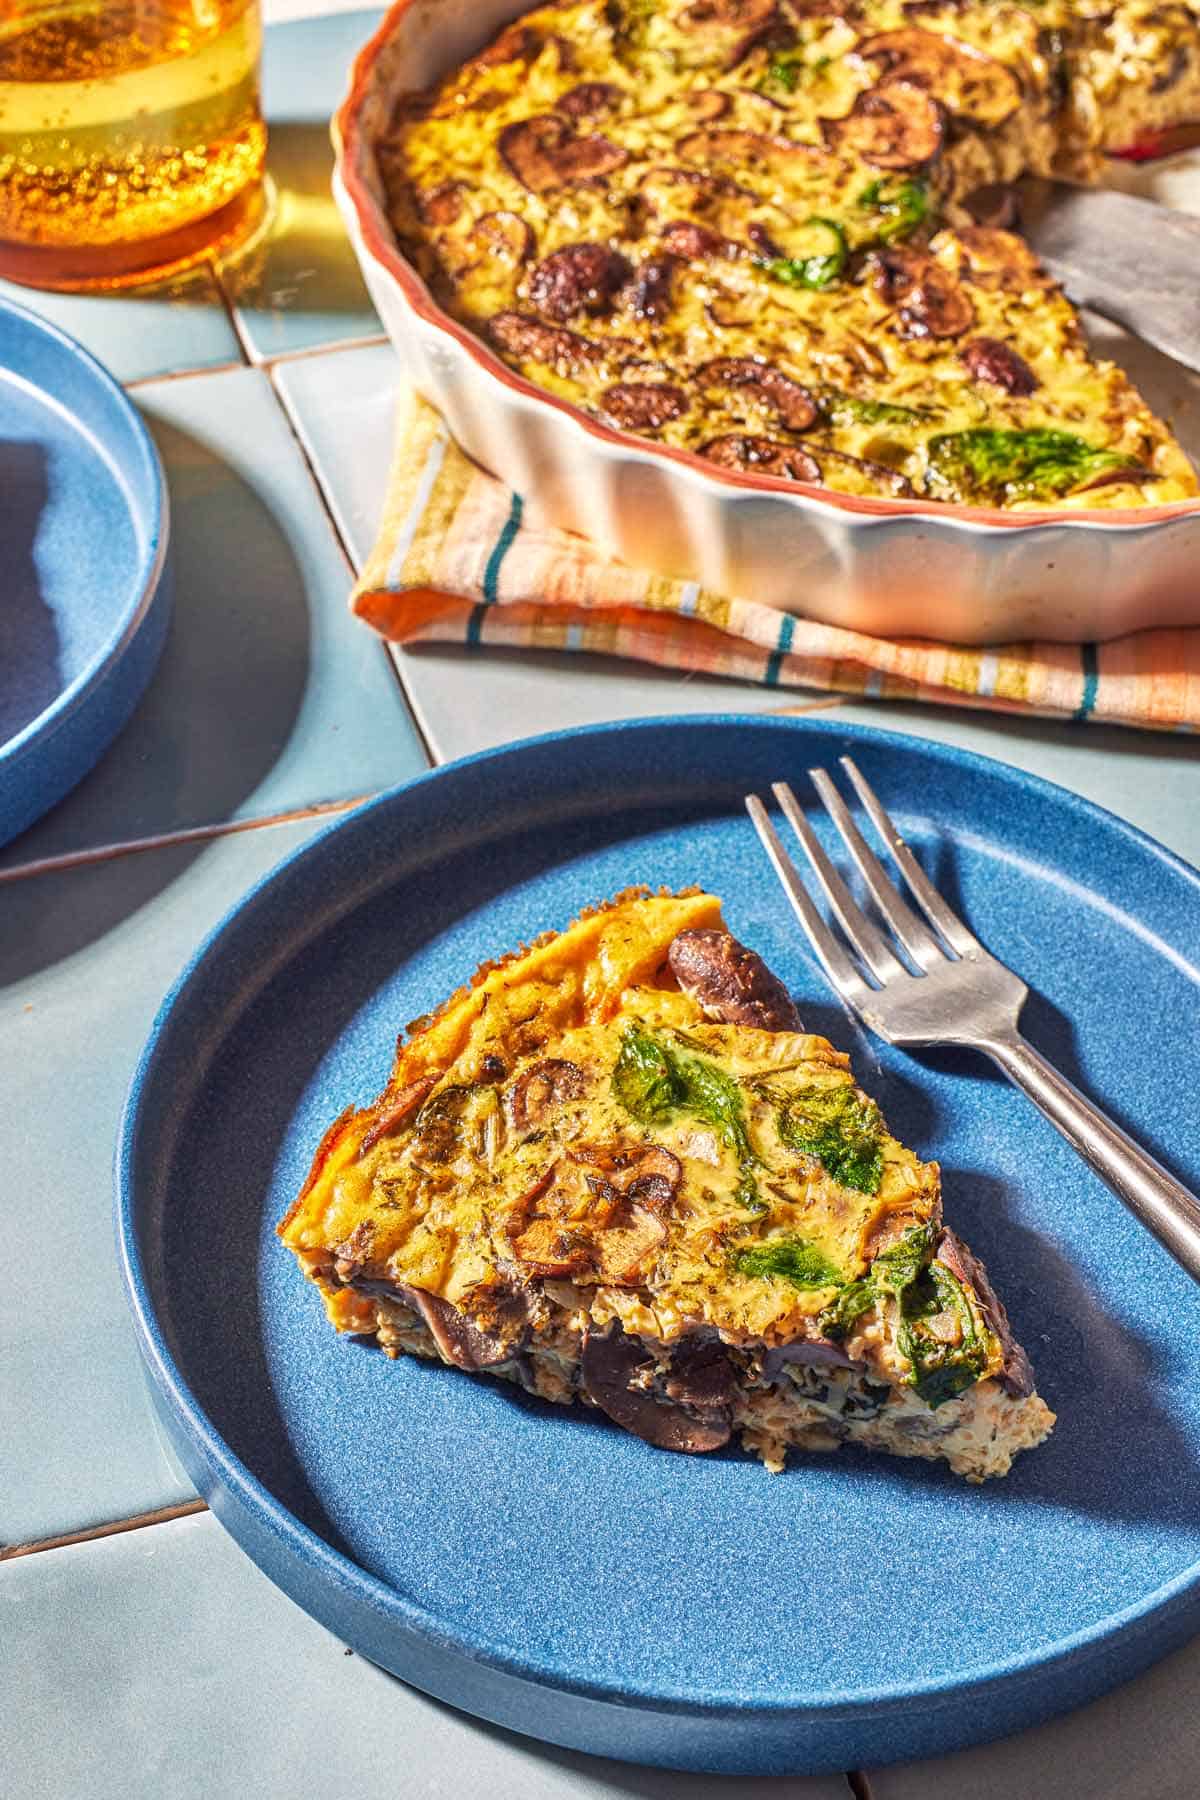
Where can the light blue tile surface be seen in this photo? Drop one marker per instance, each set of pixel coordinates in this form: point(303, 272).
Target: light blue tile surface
point(183, 325)
point(466, 700)
point(301, 287)
point(190, 1677)
point(1139, 1743)
point(269, 696)
point(85, 958)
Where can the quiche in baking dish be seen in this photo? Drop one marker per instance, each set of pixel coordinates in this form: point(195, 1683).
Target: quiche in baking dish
point(617, 1169)
point(738, 228)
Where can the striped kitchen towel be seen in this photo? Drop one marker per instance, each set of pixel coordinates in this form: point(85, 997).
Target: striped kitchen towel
point(458, 561)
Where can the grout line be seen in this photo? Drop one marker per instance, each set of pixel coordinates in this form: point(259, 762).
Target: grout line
point(352, 563)
point(185, 1510)
point(141, 381)
point(369, 342)
point(192, 834)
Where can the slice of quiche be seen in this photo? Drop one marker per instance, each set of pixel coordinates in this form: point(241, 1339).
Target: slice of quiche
point(617, 1169)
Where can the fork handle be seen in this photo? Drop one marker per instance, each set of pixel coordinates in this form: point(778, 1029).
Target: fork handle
point(1164, 1206)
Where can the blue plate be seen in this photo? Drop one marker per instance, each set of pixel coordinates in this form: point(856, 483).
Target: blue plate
point(531, 1563)
point(83, 541)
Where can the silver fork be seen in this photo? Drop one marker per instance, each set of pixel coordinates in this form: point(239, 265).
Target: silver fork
point(953, 991)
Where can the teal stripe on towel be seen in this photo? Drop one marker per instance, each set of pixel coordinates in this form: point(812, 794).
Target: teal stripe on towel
point(786, 633)
point(1090, 664)
point(500, 549)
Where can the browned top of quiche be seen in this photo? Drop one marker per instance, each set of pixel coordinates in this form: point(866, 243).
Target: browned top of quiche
point(738, 227)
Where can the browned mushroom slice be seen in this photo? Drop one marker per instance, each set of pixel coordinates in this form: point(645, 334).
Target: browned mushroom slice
point(706, 104)
point(966, 81)
point(991, 360)
point(701, 1376)
point(731, 983)
point(689, 240)
point(643, 405)
point(579, 278)
point(896, 125)
point(397, 1113)
point(533, 341)
point(730, 28)
point(441, 205)
point(646, 1174)
point(502, 234)
point(746, 149)
point(762, 456)
point(648, 294)
point(590, 100)
point(459, 1341)
point(609, 1366)
point(792, 404)
point(544, 152)
point(859, 475)
point(930, 299)
point(1017, 1376)
point(546, 1084)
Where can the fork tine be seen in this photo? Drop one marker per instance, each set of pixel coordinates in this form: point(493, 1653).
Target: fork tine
point(942, 917)
point(866, 937)
point(917, 939)
point(839, 967)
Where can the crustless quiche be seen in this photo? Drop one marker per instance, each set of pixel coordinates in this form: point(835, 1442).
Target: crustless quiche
point(738, 227)
point(617, 1169)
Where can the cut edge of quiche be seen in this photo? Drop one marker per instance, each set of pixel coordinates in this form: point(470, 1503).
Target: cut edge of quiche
point(615, 1168)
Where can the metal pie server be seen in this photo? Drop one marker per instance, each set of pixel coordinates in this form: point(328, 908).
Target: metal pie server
point(1131, 260)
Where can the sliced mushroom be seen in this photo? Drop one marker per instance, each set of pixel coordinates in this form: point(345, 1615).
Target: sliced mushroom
point(991, 360)
point(534, 341)
point(397, 1113)
point(441, 205)
point(648, 294)
point(1016, 1377)
point(808, 1353)
point(645, 1174)
point(730, 982)
point(745, 149)
point(643, 405)
point(689, 240)
point(706, 104)
point(862, 475)
point(896, 125)
point(608, 1367)
point(762, 456)
point(701, 1376)
point(966, 81)
point(502, 234)
point(930, 299)
point(438, 1129)
point(544, 152)
point(458, 1340)
point(730, 29)
point(792, 404)
point(590, 100)
point(578, 279)
point(546, 1084)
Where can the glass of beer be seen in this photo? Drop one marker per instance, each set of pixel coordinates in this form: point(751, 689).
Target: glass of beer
point(131, 139)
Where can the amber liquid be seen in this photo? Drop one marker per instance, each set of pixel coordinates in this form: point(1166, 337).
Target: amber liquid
point(126, 126)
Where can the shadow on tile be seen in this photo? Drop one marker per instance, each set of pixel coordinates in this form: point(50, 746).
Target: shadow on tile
point(32, 673)
point(226, 696)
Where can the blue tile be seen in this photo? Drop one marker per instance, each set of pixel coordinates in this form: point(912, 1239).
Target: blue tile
point(183, 325)
point(85, 958)
point(301, 286)
point(341, 405)
point(160, 1665)
point(269, 696)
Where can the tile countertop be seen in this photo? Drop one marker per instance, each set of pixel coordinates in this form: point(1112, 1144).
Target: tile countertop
point(271, 401)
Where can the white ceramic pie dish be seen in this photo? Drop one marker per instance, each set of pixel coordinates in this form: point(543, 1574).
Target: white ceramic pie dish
point(894, 567)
